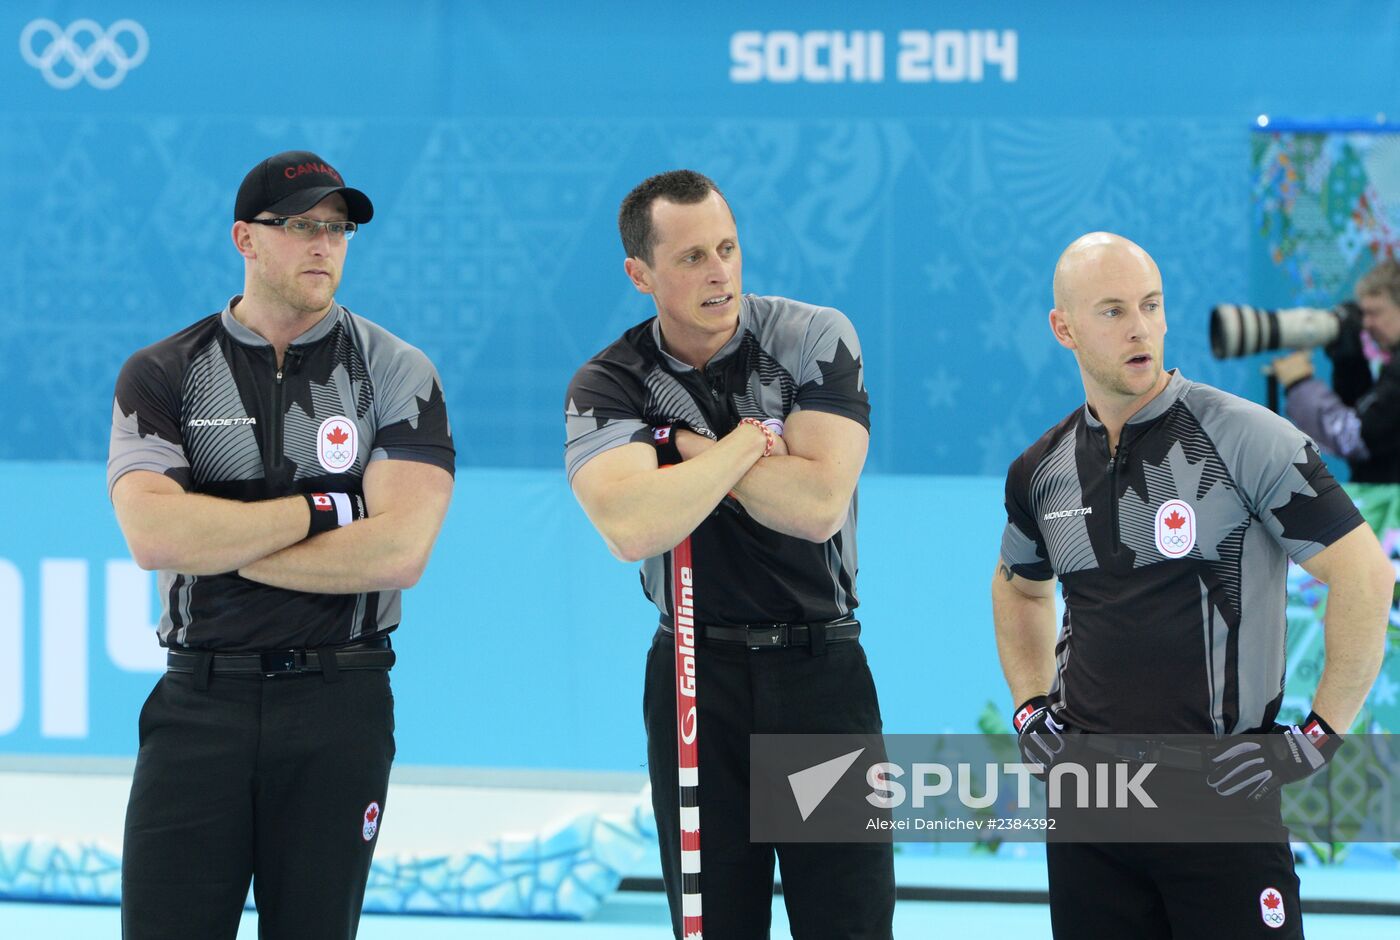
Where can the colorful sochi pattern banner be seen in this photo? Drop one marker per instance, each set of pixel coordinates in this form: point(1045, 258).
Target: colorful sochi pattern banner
point(917, 166)
point(1326, 207)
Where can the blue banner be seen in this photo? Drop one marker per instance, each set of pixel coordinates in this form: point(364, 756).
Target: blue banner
point(918, 166)
point(522, 646)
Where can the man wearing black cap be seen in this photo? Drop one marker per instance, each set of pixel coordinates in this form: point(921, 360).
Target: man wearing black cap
point(285, 465)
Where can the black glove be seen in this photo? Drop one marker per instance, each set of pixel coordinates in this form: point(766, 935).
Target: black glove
point(1039, 736)
point(1258, 767)
point(333, 510)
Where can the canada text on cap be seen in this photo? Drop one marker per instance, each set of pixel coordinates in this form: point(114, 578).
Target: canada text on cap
point(292, 182)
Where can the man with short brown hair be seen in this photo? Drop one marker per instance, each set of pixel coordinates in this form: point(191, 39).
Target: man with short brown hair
point(759, 406)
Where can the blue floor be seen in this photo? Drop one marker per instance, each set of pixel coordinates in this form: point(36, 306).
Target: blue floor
point(629, 916)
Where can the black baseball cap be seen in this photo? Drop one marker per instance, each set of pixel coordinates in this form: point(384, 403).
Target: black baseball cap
point(292, 182)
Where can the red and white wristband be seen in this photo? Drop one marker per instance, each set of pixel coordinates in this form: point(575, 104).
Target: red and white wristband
point(770, 438)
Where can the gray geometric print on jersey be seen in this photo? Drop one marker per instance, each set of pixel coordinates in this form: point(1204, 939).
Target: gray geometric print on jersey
point(588, 435)
point(668, 401)
point(1055, 489)
point(1218, 510)
point(771, 388)
point(218, 451)
point(130, 451)
point(1255, 589)
point(176, 590)
point(348, 382)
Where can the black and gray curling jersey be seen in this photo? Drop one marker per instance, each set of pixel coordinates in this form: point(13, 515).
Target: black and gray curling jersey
point(785, 356)
point(209, 408)
point(1172, 557)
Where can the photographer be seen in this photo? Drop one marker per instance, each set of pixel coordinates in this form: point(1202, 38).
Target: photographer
point(1357, 419)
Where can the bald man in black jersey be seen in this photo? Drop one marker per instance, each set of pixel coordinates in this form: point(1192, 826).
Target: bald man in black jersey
point(1168, 511)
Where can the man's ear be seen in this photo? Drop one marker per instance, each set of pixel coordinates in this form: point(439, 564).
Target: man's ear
point(242, 235)
point(1060, 326)
point(639, 273)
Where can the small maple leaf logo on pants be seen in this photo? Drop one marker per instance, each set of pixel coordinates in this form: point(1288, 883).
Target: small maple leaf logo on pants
point(371, 821)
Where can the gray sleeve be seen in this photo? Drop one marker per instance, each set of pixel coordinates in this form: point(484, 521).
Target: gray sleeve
point(831, 375)
point(1280, 475)
point(1022, 543)
point(146, 431)
point(1022, 554)
point(1320, 414)
point(409, 409)
point(600, 413)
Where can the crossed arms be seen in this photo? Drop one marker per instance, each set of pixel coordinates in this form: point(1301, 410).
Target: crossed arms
point(802, 489)
point(265, 541)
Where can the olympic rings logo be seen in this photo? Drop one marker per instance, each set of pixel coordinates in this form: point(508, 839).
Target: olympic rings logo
point(84, 51)
point(1176, 528)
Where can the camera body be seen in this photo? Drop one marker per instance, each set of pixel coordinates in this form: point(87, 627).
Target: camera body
point(1240, 330)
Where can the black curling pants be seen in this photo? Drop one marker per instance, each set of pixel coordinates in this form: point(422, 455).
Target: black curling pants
point(1118, 876)
point(832, 891)
point(1174, 891)
point(280, 781)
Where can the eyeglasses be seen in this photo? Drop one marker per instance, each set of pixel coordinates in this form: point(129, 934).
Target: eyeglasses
point(307, 229)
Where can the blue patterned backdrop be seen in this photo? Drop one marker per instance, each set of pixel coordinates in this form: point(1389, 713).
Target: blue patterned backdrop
point(497, 140)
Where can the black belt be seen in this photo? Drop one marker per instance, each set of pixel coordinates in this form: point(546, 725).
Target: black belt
point(369, 654)
point(758, 636)
point(1145, 750)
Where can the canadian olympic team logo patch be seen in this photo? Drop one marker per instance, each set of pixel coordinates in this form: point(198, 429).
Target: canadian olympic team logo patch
point(1271, 908)
point(336, 444)
point(1175, 528)
point(371, 821)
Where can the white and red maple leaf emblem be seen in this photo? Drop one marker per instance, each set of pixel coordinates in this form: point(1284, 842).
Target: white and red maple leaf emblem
point(337, 435)
point(1271, 901)
point(1175, 521)
point(372, 814)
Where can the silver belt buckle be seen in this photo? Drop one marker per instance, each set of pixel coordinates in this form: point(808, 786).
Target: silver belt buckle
point(774, 635)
